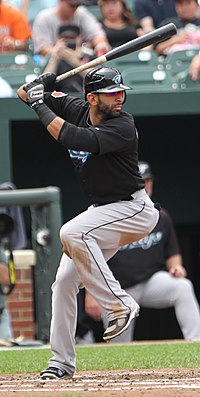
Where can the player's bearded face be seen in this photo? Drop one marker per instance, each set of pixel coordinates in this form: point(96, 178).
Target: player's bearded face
point(110, 105)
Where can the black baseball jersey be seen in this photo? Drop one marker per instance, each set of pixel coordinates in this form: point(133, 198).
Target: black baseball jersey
point(138, 261)
point(105, 155)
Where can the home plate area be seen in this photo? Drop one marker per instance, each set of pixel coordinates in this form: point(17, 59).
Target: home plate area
point(137, 383)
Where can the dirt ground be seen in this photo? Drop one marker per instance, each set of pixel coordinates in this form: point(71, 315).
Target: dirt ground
point(135, 383)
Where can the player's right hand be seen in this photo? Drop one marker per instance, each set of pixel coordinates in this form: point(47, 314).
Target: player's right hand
point(47, 79)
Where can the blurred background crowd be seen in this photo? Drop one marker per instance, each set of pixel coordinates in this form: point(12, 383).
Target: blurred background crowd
point(62, 34)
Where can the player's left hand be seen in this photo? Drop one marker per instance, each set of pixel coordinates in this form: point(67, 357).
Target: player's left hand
point(47, 79)
point(35, 95)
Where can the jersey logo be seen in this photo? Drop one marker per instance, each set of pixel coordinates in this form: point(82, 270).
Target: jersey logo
point(79, 155)
point(57, 94)
point(145, 243)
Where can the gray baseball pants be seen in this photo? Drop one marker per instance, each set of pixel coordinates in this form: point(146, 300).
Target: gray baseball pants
point(89, 240)
point(162, 290)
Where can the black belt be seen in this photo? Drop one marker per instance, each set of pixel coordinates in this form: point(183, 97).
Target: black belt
point(128, 198)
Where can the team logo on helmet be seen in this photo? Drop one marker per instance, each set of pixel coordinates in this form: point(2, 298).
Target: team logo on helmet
point(117, 79)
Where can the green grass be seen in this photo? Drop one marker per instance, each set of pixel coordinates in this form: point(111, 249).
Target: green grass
point(107, 357)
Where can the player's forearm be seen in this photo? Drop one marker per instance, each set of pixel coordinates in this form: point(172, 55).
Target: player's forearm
point(55, 127)
point(69, 135)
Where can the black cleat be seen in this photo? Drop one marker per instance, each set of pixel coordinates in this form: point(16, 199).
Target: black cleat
point(52, 373)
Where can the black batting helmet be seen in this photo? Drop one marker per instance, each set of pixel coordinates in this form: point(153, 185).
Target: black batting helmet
point(145, 170)
point(103, 80)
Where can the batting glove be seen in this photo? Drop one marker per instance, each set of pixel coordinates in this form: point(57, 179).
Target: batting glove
point(47, 79)
point(35, 95)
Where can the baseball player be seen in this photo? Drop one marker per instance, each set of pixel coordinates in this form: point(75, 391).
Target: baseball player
point(103, 144)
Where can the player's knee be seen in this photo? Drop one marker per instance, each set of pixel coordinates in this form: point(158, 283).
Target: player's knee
point(184, 287)
point(67, 235)
point(69, 239)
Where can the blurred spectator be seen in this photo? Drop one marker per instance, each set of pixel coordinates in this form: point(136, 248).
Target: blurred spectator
point(5, 323)
point(194, 70)
point(150, 13)
point(14, 29)
point(47, 23)
point(6, 90)
point(30, 8)
point(118, 22)
point(152, 272)
point(67, 54)
point(188, 28)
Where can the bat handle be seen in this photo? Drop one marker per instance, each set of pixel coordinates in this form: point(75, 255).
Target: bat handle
point(81, 68)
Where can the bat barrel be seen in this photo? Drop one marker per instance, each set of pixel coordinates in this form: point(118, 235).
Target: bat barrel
point(155, 36)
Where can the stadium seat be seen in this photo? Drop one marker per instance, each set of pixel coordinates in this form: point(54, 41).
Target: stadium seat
point(183, 81)
point(141, 59)
point(18, 77)
point(147, 79)
point(18, 68)
point(18, 61)
point(179, 61)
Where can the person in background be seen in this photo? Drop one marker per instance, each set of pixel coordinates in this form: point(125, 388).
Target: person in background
point(194, 69)
point(151, 270)
point(48, 22)
point(67, 54)
point(30, 8)
point(15, 30)
point(5, 322)
point(150, 13)
point(188, 28)
point(118, 22)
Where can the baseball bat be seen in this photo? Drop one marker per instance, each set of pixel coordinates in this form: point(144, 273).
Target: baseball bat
point(134, 45)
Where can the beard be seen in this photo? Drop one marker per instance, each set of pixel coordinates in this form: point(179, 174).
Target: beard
point(106, 112)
